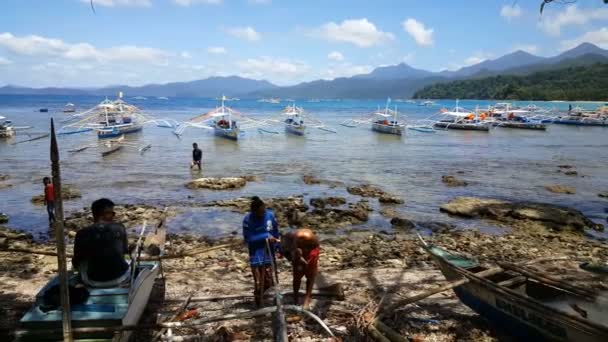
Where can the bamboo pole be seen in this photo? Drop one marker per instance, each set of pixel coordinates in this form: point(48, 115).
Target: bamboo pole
point(389, 332)
point(60, 239)
point(32, 139)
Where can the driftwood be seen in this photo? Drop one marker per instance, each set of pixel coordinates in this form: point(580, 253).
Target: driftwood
point(376, 335)
point(389, 332)
point(32, 139)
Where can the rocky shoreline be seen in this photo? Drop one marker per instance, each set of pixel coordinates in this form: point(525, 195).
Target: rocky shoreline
point(368, 264)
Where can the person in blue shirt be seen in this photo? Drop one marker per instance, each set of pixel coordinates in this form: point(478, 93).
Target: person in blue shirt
point(259, 226)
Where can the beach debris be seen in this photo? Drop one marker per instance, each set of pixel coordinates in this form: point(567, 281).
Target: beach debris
point(3, 218)
point(68, 192)
point(560, 189)
point(213, 183)
point(453, 181)
point(3, 183)
point(603, 194)
point(547, 215)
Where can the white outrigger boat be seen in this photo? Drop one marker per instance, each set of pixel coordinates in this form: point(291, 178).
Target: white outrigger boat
point(222, 120)
point(294, 123)
point(6, 128)
point(460, 119)
point(381, 121)
point(69, 108)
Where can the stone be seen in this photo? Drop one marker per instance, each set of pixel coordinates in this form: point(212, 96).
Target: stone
point(68, 192)
point(390, 199)
point(603, 194)
point(565, 166)
point(212, 183)
point(402, 223)
point(321, 202)
point(365, 190)
point(571, 173)
point(548, 215)
point(453, 181)
point(3, 218)
point(560, 189)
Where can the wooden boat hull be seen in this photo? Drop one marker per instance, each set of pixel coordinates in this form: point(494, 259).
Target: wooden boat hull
point(522, 125)
point(514, 312)
point(227, 133)
point(387, 129)
point(601, 123)
point(113, 132)
point(462, 126)
point(295, 130)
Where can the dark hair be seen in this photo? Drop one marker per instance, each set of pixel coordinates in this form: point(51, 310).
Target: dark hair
point(46, 179)
point(256, 203)
point(100, 205)
point(194, 145)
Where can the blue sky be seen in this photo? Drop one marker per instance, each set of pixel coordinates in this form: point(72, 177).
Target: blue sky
point(135, 42)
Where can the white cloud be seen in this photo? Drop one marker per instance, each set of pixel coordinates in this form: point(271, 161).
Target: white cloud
point(5, 61)
point(217, 50)
point(474, 60)
point(529, 48)
point(186, 3)
point(571, 16)
point(416, 29)
point(246, 33)
point(34, 45)
point(185, 54)
point(408, 58)
point(259, 2)
point(360, 32)
point(116, 3)
point(345, 70)
point(335, 56)
point(510, 12)
point(599, 38)
point(279, 70)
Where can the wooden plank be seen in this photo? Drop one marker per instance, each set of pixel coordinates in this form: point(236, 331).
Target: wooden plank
point(60, 239)
point(512, 281)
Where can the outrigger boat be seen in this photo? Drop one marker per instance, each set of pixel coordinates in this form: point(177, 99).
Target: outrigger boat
point(69, 108)
point(6, 128)
point(524, 303)
point(295, 120)
point(294, 123)
point(461, 120)
point(514, 118)
point(381, 121)
point(582, 117)
point(221, 120)
point(106, 305)
point(111, 119)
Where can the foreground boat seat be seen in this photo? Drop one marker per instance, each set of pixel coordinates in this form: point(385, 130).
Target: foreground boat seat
point(123, 280)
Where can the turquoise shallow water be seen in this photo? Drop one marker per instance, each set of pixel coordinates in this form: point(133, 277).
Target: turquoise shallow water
point(510, 164)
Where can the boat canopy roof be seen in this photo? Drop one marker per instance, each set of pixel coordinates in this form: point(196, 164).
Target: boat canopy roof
point(463, 114)
point(514, 111)
point(2, 117)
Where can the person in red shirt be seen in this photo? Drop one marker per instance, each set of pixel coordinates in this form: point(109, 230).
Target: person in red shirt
point(49, 199)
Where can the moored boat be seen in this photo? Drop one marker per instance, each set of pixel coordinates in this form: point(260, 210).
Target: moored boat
point(69, 108)
point(460, 119)
point(386, 121)
point(116, 119)
point(522, 303)
point(6, 128)
point(294, 122)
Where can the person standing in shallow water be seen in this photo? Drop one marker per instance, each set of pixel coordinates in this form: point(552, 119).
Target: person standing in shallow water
point(49, 199)
point(197, 157)
point(260, 231)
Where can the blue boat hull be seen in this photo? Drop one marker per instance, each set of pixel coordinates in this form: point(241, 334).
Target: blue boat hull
point(117, 132)
point(581, 123)
point(295, 130)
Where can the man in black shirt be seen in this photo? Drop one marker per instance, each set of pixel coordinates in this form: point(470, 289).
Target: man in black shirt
point(100, 248)
point(197, 156)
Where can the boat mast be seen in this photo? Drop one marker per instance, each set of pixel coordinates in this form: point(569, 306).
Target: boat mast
point(60, 239)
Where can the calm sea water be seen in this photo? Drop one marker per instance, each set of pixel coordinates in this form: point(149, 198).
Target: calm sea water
point(510, 164)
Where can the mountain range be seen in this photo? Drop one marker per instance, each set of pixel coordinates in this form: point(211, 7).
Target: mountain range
point(398, 81)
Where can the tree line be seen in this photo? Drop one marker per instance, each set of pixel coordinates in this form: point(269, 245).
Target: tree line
point(586, 83)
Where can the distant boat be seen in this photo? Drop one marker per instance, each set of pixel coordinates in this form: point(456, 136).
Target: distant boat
point(427, 103)
point(270, 100)
point(314, 100)
point(69, 108)
point(162, 98)
point(140, 98)
point(43, 110)
point(6, 128)
point(294, 123)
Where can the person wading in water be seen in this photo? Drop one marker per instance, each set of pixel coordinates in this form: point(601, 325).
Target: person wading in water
point(197, 157)
point(260, 230)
